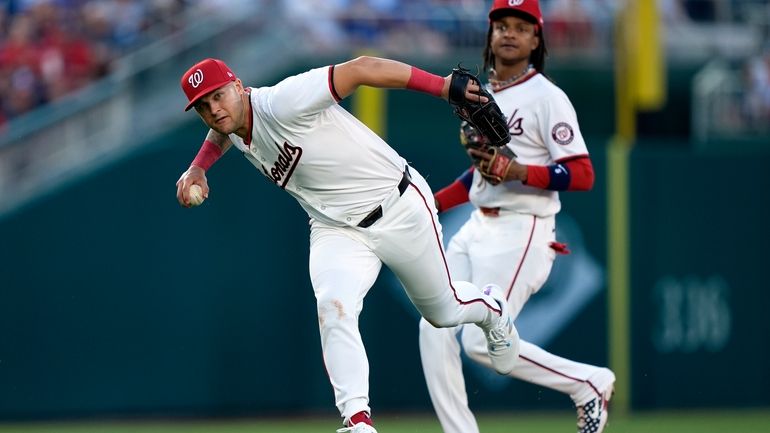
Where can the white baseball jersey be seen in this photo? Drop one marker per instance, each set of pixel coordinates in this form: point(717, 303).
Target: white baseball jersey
point(544, 131)
point(336, 168)
point(367, 209)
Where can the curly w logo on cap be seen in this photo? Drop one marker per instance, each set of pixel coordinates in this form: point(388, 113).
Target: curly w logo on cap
point(196, 78)
point(205, 77)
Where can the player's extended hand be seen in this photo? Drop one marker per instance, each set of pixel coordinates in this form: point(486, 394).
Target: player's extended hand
point(471, 91)
point(472, 103)
point(193, 175)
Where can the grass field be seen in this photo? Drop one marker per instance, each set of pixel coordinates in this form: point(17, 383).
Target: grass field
point(748, 421)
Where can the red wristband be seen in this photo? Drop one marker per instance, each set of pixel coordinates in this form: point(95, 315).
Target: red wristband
point(426, 82)
point(207, 156)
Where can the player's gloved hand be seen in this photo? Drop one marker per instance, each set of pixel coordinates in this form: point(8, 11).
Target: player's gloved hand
point(496, 164)
point(193, 175)
point(471, 138)
point(477, 108)
point(492, 162)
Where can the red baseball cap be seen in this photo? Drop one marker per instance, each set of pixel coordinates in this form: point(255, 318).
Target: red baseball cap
point(530, 8)
point(204, 77)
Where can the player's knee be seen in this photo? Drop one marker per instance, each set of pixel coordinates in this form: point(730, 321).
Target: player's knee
point(441, 320)
point(332, 310)
point(428, 329)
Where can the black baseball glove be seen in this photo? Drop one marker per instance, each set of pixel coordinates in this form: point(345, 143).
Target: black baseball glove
point(486, 117)
point(492, 162)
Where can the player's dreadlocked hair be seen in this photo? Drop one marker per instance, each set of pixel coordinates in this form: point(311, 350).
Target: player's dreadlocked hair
point(536, 57)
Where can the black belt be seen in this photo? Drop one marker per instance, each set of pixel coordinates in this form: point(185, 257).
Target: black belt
point(490, 211)
point(376, 214)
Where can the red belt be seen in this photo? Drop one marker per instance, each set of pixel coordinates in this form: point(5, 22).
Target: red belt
point(490, 211)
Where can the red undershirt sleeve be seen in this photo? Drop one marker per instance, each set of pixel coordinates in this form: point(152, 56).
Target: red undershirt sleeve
point(456, 193)
point(576, 174)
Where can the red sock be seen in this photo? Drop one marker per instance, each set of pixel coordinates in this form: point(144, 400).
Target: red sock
point(361, 417)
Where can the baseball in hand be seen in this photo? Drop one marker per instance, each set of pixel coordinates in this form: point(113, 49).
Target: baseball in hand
point(196, 195)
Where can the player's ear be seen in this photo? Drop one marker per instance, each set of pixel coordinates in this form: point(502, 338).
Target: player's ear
point(536, 39)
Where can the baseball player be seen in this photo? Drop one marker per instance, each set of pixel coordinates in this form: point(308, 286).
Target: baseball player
point(366, 205)
point(509, 239)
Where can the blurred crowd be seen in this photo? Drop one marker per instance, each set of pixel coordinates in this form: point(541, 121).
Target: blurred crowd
point(49, 48)
point(574, 29)
point(756, 106)
point(428, 26)
point(435, 26)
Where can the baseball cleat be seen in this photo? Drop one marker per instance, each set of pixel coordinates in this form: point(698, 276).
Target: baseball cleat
point(592, 416)
point(361, 427)
point(502, 338)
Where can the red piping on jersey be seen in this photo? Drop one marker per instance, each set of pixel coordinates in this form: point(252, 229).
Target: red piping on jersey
point(524, 256)
point(516, 83)
point(446, 266)
point(562, 374)
point(333, 91)
point(247, 140)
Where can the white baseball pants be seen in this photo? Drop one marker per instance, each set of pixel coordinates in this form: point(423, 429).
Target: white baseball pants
point(344, 263)
point(513, 251)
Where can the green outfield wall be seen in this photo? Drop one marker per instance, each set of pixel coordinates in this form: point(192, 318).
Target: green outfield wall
point(701, 332)
point(116, 301)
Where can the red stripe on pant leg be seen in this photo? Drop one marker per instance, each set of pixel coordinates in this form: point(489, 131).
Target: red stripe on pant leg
point(523, 256)
point(562, 374)
point(446, 266)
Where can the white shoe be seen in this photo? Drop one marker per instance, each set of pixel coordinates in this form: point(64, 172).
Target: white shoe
point(361, 427)
point(592, 416)
point(502, 338)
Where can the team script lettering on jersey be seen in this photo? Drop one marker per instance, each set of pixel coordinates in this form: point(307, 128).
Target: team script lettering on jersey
point(288, 158)
point(514, 124)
